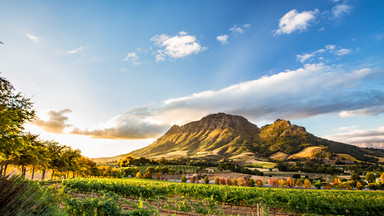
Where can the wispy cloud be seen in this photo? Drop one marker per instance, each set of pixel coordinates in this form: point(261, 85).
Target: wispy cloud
point(239, 29)
point(133, 58)
point(373, 138)
point(312, 90)
point(34, 38)
point(56, 122)
point(223, 38)
point(341, 10)
point(341, 52)
point(177, 46)
point(304, 57)
point(294, 21)
point(76, 50)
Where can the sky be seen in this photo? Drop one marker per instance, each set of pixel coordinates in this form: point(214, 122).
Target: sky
point(109, 77)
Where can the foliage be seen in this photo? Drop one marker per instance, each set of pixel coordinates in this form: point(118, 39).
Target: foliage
point(19, 196)
point(106, 205)
point(308, 202)
point(370, 177)
point(183, 179)
point(217, 180)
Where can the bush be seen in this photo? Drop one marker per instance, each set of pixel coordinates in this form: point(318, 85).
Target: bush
point(19, 196)
point(251, 182)
point(259, 183)
point(217, 180)
point(183, 179)
point(206, 180)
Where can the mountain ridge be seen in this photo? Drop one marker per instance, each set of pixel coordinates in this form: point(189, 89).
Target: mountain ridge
point(223, 135)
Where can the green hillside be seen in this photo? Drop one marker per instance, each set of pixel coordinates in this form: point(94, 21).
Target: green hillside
point(222, 135)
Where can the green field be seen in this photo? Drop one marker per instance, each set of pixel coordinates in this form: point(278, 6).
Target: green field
point(185, 169)
point(314, 202)
point(262, 164)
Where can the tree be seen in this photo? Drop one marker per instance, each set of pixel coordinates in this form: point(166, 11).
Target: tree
point(307, 183)
point(183, 179)
point(138, 175)
point(370, 177)
point(251, 182)
point(206, 180)
point(290, 182)
point(355, 177)
point(217, 180)
point(282, 183)
point(15, 110)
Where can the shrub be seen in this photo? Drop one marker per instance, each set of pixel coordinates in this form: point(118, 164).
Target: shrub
point(282, 183)
point(307, 183)
point(193, 179)
point(259, 183)
point(19, 196)
point(251, 182)
point(183, 179)
point(290, 183)
point(273, 182)
point(234, 182)
point(206, 180)
point(222, 181)
point(138, 175)
point(228, 181)
point(327, 186)
point(217, 180)
point(299, 183)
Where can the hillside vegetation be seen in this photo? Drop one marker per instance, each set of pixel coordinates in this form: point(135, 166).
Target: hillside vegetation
point(224, 136)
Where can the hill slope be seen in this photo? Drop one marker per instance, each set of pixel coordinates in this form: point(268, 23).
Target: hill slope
point(222, 135)
point(216, 135)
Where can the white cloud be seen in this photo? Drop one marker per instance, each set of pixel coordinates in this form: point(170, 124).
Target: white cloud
point(76, 50)
point(373, 138)
point(341, 10)
point(34, 38)
point(294, 21)
point(341, 52)
point(56, 122)
point(177, 46)
point(133, 58)
point(312, 90)
point(223, 38)
point(328, 49)
point(239, 29)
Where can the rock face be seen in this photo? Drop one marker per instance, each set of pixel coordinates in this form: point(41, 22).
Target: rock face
point(217, 134)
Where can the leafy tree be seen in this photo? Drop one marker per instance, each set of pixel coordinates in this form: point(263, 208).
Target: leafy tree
point(355, 177)
point(370, 177)
point(138, 175)
point(290, 182)
point(206, 180)
point(251, 182)
point(259, 183)
point(307, 183)
point(15, 110)
point(217, 180)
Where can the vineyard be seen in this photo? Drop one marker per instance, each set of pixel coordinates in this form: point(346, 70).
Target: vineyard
point(185, 169)
point(214, 197)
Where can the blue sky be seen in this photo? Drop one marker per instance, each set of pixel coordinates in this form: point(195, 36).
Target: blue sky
point(111, 77)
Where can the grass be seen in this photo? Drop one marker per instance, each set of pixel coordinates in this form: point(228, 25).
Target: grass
point(262, 164)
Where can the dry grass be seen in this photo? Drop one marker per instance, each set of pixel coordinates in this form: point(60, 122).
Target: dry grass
point(278, 156)
point(306, 153)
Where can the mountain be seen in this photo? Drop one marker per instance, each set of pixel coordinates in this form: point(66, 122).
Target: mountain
point(223, 135)
point(214, 135)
